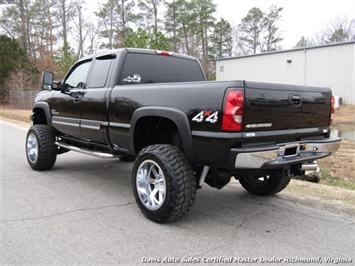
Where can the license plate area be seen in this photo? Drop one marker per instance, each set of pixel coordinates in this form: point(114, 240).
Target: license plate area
point(290, 150)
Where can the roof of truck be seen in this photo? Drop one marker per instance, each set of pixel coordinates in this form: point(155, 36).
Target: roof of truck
point(115, 52)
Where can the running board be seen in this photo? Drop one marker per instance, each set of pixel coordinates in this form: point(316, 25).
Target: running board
point(92, 153)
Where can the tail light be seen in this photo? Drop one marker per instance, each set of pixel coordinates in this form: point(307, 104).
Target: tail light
point(332, 111)
point(233, 110)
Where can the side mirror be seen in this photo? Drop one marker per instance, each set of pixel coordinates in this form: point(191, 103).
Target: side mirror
point(47, 80)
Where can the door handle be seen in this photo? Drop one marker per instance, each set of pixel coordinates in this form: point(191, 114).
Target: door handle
point(295, 100)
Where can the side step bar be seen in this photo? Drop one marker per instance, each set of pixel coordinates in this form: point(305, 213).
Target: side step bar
point(96, 154)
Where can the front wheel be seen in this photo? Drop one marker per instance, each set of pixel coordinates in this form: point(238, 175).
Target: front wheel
point(164, 184)
point(265, 184)
point(41, 151)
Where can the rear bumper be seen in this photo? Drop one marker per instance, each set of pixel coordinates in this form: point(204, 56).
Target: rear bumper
point(283, 154)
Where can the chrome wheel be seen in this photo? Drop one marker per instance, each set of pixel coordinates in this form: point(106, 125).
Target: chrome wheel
point(32, 148)
point(41, 151)
point(151, 185)
point(164, 183)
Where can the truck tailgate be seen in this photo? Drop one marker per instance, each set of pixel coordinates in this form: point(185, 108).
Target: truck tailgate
point(270, 106)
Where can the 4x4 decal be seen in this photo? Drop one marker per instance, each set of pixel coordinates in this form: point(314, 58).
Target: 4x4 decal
point(206, 116)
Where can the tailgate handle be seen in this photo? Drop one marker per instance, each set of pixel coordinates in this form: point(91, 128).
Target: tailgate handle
point(295, 99)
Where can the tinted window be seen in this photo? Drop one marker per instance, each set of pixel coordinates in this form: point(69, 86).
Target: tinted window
point(145, 68)
point(78, 75)
point(100, 72)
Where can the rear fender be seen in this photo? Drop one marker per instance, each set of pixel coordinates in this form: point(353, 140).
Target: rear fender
point(176, 116)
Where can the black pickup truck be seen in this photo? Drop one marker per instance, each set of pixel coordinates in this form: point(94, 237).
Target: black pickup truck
point(156, 109)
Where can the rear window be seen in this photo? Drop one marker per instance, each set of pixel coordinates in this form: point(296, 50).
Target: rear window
point(146, 68)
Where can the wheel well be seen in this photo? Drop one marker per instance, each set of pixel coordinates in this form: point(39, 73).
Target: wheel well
point(39, 116)
point(151, 130)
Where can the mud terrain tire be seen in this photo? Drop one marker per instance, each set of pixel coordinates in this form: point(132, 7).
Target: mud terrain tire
point(265, 185)
point(164, 184)
point(41, 151)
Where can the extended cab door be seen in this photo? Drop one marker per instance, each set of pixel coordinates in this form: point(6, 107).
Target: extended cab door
point(93, 103)
point(65, 107)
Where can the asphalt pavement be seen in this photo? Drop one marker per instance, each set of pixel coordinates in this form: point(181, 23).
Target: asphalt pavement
point(83, 212)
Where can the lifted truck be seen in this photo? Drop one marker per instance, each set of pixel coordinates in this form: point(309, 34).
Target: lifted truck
point(156, 109)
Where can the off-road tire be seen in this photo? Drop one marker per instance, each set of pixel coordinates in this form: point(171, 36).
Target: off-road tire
point(41, 152)
point(265, 185)
point(177, 178)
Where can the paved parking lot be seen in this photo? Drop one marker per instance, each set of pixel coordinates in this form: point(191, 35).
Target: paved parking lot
point(83, 212)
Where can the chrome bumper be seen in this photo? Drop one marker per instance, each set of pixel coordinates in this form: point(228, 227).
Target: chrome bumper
point(284, 154)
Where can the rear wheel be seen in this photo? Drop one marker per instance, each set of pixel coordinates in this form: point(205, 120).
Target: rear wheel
point(164, 184)
point(40, 148)
point(265, 184)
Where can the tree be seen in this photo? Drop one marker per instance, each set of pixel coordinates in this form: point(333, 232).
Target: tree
point(66, 12)
point(205, 19)
point(250, 30)
point(34, 25)
point(10, 53)
point(106, 17)
point(304, 42)
point(13, 64)
point(142, 39)
point(171, 23)
point(258, 31)
point(239, 46)
point(158, 41)
point(150, 13)
point(138, 39)
point(183, 25)
point(114, 19)
point(221, 40)
point(339, 30)
point(64, 61)
point(43, 31)
point(271, 34)
point(80, 25)
point(16, 21)
point(92, 33)
point(22, 79)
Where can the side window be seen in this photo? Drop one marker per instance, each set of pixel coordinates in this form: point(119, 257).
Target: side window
point(78, 75)
point(100, 72)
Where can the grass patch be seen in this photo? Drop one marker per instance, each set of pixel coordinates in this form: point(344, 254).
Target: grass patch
point(335, 181)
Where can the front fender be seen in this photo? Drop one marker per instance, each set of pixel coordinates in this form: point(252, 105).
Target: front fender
point(37, 108)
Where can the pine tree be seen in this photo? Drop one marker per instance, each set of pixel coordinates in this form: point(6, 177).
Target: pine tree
point(115, 17)
point(250, 30)
point(271, 31)
point(221, 40)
